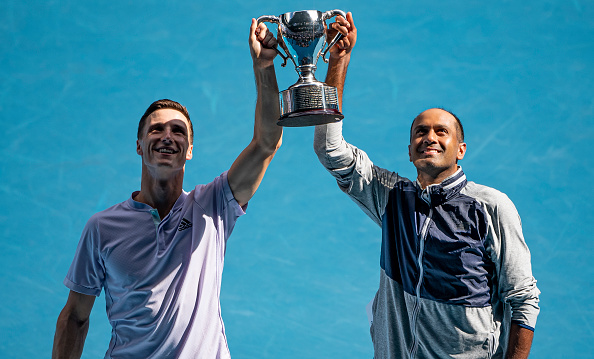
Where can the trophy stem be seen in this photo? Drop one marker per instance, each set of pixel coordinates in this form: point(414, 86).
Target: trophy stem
point(306, 73)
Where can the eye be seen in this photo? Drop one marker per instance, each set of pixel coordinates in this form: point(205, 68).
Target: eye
point(155, 128)
point(179, 129)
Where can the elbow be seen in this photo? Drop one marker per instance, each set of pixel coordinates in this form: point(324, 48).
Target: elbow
point(69, 319)
point(319, 148)
point(268, 148)
point(274, 146)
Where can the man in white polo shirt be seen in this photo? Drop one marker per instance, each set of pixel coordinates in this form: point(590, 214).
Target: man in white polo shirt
point(159, 255)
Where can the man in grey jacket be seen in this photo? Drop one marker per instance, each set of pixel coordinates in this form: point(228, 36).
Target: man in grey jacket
point(456, 279)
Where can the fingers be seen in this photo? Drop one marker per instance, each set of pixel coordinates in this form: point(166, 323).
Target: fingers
point(341, 25)
point(346, 27)
point(253, 29)
point(261, 31)
point(264, 36)
point(343, 43)
point(257, 31)
point(262, 44)
point(269, 41)
point(351, 21)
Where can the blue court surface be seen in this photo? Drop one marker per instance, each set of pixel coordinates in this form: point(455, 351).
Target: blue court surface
point(302, 264)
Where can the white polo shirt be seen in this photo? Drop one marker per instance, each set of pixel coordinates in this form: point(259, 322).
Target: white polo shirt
point(162, 278)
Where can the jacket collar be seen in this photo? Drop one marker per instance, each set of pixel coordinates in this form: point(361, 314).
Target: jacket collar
point(437, 194)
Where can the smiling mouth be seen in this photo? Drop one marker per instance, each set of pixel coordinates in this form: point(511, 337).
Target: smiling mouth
point(430, 151)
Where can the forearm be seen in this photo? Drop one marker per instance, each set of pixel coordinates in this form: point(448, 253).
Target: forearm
point(330, 147)
point(69, 338)
point(336, 75)
point(333, 152)
point(520, 342)
point(249, 168)
point(267, 134)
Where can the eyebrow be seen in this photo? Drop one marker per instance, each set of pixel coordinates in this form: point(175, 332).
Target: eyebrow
point(173, 125)
point(437, 126)
point(154, 125)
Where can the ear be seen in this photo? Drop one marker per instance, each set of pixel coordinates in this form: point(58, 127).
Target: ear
point(409, 156)
point(189, 153)
point(461, 151)
point(138, 147)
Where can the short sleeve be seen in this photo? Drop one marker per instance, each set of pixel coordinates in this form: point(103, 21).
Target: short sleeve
point(230, 200)
point(219, 203)
point(87, 273)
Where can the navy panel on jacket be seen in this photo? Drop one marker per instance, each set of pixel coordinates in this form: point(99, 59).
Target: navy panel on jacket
point(398, 255)
point(456, 268)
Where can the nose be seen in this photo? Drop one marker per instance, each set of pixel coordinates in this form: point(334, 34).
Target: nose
point(430, 137)
point(166, 135)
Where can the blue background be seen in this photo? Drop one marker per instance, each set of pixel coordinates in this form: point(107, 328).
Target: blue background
point(75, 78)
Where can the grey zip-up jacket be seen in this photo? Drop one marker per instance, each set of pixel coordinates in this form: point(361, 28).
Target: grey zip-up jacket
point(455, 269)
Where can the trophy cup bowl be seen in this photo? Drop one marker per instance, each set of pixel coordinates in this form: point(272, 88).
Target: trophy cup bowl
point(302, 36)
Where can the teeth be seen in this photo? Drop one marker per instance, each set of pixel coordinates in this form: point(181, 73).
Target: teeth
point(165, 150)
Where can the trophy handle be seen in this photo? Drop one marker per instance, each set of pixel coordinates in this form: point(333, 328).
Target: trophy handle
point(328, 15)
point(275, 20)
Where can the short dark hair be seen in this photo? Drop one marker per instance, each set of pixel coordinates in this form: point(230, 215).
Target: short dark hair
point(459, 127)
point(165, 104)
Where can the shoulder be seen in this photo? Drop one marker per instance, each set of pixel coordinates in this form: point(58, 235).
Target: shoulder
point(216, 184)
point(217, 189)
point(114, 214)
point(106, 213)
point(492, 199)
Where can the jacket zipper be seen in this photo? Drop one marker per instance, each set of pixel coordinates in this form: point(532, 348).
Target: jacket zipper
point(417, 307)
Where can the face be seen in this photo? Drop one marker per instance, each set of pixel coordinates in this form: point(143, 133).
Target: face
point(434, 147)
point(165, 142)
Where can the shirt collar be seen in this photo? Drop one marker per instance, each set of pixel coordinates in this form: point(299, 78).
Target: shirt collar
point(146, 208)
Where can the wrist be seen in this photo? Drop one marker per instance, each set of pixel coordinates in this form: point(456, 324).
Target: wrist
point(265, 75)
point(260, 64)
point(341, 62)
point(340, 59)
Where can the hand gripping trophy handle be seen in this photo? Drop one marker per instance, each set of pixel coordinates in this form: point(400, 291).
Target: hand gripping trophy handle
point(275, 20)
point(328, 15)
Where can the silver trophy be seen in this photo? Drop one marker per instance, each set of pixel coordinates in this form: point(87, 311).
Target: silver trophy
point(302, 36)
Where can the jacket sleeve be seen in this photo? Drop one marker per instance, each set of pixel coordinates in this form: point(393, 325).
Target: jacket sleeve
point(516, 285)
point(366, 184)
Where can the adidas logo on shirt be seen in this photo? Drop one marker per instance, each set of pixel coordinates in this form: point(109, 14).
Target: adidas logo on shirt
point(185, 224)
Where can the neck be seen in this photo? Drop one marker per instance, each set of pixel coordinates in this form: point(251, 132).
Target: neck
point(160, 193)
point(427, 178)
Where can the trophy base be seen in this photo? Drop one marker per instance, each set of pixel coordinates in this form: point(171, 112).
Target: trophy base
point(309, 104)
point(310, 118)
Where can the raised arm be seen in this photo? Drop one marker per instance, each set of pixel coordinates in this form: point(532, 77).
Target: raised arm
point(72, 326)
point(333, 152)
point(366, 184)
point(247, 171)
point(340, 54)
